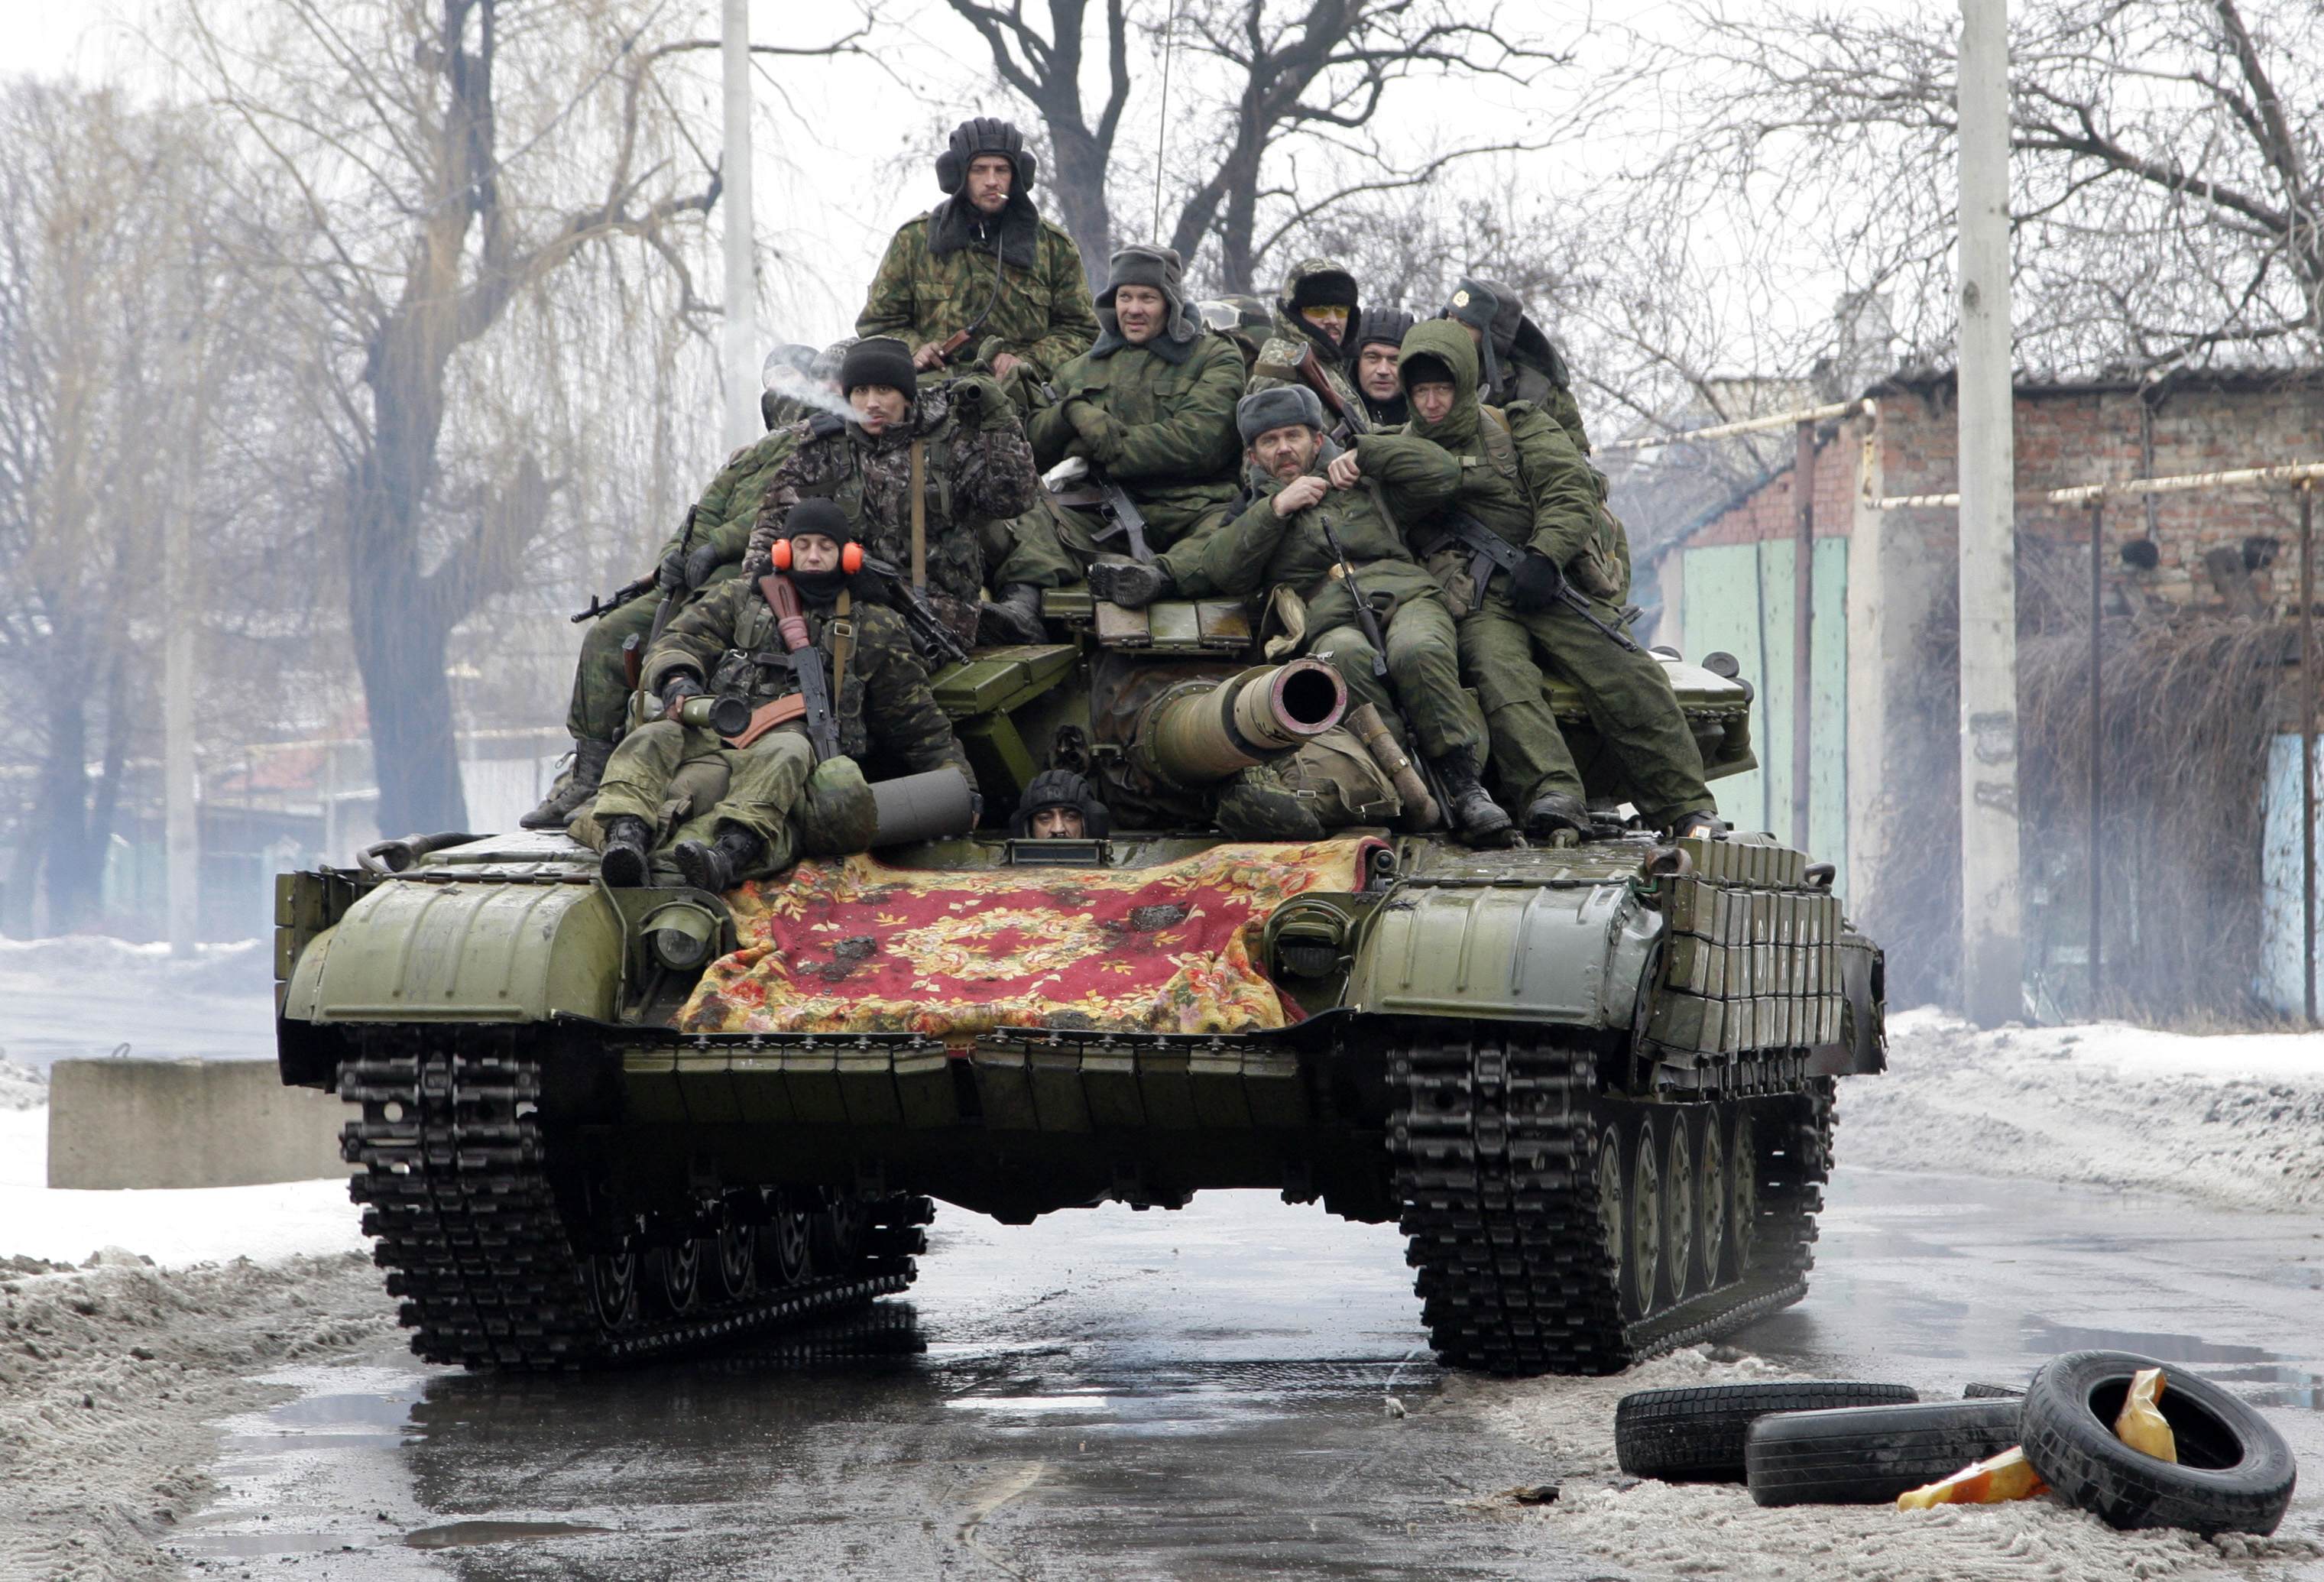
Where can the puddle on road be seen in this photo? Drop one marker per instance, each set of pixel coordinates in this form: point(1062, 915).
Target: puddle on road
point(462, 1534)
point(2239, 1365)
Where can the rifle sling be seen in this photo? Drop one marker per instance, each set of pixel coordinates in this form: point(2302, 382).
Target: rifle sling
point(919, 513)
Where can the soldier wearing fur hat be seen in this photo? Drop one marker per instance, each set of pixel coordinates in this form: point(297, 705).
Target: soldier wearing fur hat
point(1150, 407)
point(706, 553)
point(982, 281)
point(780, 803)
point(1516, 361)
point(959, 443)
point(1316, 313)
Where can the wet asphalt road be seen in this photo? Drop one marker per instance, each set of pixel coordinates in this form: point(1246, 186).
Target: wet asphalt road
point(1190, 1395)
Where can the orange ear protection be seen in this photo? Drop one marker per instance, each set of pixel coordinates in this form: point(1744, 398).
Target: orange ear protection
point(850, 556)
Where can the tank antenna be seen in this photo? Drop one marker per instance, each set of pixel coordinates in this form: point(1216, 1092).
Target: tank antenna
point(1162, 123)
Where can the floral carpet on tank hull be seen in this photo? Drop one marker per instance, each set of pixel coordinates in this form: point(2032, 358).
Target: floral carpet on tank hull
point(855, 946)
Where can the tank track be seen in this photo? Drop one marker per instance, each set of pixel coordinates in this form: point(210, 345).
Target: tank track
point(1495, 1141)
point(453, 1174)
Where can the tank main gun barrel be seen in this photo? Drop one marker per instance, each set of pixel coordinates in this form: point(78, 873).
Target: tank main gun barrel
point(1201, 733)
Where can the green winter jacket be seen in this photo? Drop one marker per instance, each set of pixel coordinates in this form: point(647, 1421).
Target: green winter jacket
point(1168, 428)
point(1537, 491)
point(1259, 549)
point(729, 507)
point(937, 277)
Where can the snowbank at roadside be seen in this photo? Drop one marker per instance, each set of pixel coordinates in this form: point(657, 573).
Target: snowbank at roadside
point(1657, 1530)
point(21, 1087)
point(2233, 1119)
point(175, 1228)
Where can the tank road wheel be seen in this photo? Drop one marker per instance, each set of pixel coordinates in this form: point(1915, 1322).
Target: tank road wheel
point(613, 1288)
point(1647, 1212)
point(1743, 1190)
point(1614, 1203)
point(737, 1261)
point(678, 1276)
point(1712, 1191)
point(1678, 1202)
point(787, 1239)
point(838, 1233)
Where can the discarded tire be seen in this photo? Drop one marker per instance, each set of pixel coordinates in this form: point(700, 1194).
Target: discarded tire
point(1868, 1455)
point(1992, 1392)
point(2235, 1473)
point(1696, 1435)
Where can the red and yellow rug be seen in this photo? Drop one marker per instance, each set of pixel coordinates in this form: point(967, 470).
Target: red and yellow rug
point(855, 946)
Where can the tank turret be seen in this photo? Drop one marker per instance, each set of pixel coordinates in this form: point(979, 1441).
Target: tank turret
point(1201, 731)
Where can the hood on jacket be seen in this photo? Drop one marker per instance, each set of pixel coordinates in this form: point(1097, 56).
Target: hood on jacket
point(1448, 342)
point(1159, 267)
point(1320, 282)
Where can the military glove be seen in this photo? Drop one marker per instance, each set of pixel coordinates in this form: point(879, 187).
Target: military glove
point(704, 560)
point(671, 576)
point(1100, 435)
point(1535, 582)
point(677, 690)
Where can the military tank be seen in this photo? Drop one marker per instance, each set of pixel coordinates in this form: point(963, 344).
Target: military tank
point(1592, 1084)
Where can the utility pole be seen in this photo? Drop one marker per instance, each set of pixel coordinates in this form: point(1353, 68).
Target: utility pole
point(1992, 967)
point(739, 351)
point(180, 831)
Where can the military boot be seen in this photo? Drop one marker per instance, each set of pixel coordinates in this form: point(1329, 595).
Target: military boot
point(720, 867)
point(1561, 819)
point(1699, 823)
point(622, 862)
point(1132, 585)
point(1477, 818)
point(1014, 617)
point(575, 786)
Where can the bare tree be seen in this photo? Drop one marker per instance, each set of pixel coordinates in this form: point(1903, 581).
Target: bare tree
point(1315, 74)
point(451, 159)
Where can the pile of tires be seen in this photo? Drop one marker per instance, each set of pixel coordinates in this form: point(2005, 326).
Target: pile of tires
point(1855, 1443)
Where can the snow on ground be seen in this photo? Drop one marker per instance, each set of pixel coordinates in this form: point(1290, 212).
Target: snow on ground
point(21, 1087)
point(1686, 1530)
point(2232, 1119)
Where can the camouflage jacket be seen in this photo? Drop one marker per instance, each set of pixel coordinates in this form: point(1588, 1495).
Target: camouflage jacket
point(1534, 489)
point(1293, 337)
point(937, 277)
point(1169, 435)
point(1403, 478)
point(968, 475)
point(1547, 392)
point(881, 699)
point(729, 507)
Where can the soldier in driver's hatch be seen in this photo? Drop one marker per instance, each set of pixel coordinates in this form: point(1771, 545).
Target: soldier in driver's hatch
point(726, 643)
point(1317, 311)
point(983, 263)
point(1059, 804)
point(1150, 407)
point(960, 438)
point(705, 552)
point(1300, 482)
point(1372, 356)
point(1523, 479)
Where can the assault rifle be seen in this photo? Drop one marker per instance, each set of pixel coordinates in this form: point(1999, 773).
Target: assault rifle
point(1311, 373)
point(918, 613)
point(1487, 550)
point(807, 664)
point(1075, 483)
point(1366, 621)
point(607, 603)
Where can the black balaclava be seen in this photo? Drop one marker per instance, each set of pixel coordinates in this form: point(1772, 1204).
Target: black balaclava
point(824, 517)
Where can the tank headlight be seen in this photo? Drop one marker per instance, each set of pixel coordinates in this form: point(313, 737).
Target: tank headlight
point(680, 936)
point(1307, 939)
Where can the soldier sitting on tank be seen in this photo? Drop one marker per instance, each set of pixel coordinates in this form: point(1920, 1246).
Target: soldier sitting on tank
point(982, 280)
point(1059, 805)
point(960, 442)
point(779, 801)
point(1522, 479)
point(1371, 367)
point(1306, 493)
point(1317, 313)
point(1516, 361)
point(1150, 408)
point(707, 549)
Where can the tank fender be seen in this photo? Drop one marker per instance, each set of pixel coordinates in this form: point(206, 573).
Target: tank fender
point(1571, 955)
point(431, 949)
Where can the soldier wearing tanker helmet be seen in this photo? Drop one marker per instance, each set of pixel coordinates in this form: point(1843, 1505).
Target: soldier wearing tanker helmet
point(1523, 481)
point(982, 281)
point(1372, 356)
point(783, 800)
point(1306, 492)
point(1149, 408)
point(703, 552)
point(959, 442)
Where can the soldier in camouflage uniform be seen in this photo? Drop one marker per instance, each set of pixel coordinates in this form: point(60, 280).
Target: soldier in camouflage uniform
point(727, 644)
point(706, 550)
point(1517, 361)
point(1523, 479)
point(1317, 311)
point(1300, 483)
point(1150, 407)
point(985, 263)
point(961, 440)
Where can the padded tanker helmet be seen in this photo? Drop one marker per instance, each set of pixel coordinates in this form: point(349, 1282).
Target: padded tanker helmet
point(984, 135)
